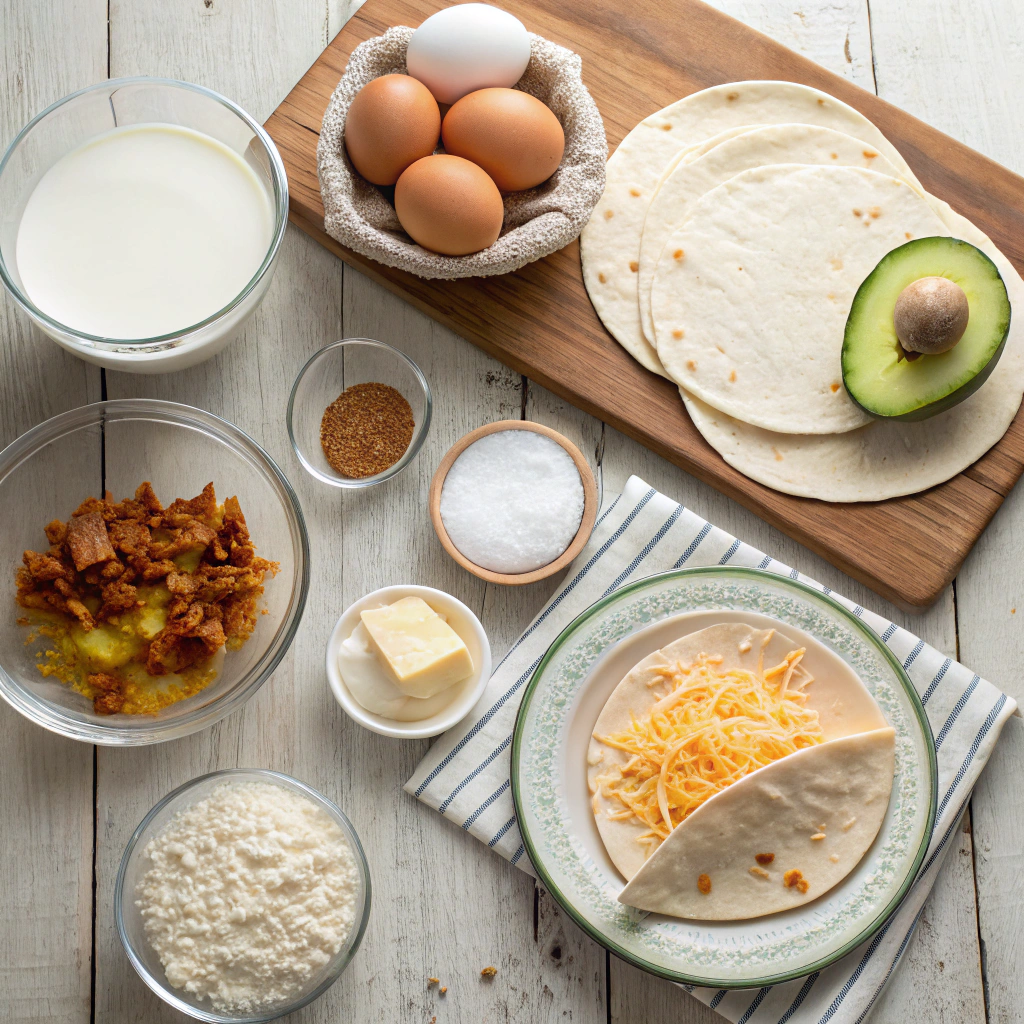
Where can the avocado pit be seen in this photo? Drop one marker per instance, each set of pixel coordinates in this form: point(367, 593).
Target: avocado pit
point(930, 316)
point(915, 303)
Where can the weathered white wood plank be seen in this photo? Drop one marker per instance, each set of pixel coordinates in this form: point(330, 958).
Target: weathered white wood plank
point(46, 800)
point(958, 66)
point(567, 940)
point(936, 951)
point(252, 53)
point(835, 33)
point(990, 601)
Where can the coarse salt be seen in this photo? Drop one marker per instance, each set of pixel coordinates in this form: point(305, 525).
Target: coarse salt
point(512, 501)
point(250, 893)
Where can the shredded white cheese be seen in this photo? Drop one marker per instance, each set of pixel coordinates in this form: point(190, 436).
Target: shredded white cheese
point(250, 893)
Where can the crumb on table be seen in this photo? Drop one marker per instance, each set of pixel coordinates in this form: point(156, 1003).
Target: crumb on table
point(488, 972)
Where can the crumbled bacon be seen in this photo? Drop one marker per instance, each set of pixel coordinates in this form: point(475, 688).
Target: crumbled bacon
point(87, 541)
point(56, 532)
point(130, 536)
point(108, 549)
point(118, 596)
point(108, 693)
point(147, 499)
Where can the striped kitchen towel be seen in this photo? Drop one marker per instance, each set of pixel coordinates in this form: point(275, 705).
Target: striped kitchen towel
point(465, 775)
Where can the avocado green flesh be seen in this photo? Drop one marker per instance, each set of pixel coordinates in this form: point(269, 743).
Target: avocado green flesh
point(884, 385)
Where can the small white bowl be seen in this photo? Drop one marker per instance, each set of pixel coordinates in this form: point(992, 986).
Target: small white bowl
point(459, 617)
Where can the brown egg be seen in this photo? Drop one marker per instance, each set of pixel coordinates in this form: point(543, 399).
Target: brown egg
point(392, 122)
point(512, 135)
point(449, 205)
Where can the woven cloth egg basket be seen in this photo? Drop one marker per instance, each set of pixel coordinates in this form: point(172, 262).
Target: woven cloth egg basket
point(538, 221)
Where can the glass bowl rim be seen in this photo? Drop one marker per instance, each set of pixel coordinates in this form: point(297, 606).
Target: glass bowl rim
point(174, 339)
point(419, 433)
point(344, 956)
point(43, 712)
point(849, 619)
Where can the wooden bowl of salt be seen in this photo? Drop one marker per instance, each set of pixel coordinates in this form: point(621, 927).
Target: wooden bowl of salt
point(513, 502)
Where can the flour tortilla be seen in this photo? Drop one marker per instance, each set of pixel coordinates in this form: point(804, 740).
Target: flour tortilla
point(698, 173)
point(886, 458)
point(839, 788)
point(609, 245)
point(844, 706)
point(698, 149)
point(750, 317)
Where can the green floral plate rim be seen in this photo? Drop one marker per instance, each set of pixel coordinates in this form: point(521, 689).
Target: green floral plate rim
point(769, 580)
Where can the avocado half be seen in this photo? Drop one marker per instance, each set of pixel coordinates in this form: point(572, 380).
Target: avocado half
point(876, 372)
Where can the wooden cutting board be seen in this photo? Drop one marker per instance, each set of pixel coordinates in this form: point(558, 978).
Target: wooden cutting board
point(638, 56)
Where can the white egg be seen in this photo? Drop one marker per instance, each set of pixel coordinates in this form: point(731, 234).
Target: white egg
point(468, 47)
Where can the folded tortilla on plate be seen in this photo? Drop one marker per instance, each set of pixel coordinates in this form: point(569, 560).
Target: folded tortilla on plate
point(776, 839)
point(853, 747)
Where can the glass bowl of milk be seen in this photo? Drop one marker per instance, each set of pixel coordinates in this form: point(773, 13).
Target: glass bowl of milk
point(140, 222)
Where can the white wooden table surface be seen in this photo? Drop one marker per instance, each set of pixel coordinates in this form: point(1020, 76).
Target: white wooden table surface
point(443, 905)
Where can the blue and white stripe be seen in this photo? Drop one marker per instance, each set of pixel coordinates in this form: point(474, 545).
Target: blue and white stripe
point(466, 773)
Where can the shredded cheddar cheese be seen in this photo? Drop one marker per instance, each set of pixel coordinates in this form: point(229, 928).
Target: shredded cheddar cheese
point(708, 731)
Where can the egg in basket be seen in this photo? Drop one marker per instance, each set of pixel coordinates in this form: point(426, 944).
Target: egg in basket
point(468, 147)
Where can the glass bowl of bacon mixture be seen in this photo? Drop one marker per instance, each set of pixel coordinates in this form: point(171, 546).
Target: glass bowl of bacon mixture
point(144, 617)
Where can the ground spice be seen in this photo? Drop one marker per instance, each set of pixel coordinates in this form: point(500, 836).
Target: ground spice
point(366, 429)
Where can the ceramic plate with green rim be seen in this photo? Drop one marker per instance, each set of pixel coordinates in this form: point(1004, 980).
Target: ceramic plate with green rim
point(553, 803)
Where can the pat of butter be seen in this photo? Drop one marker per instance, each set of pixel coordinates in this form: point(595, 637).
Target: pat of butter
point(421, 651)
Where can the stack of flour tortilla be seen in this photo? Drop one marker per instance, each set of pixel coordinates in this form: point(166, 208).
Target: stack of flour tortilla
point(734, 231)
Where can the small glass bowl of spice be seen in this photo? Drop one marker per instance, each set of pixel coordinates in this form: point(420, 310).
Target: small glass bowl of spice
point(358, 413)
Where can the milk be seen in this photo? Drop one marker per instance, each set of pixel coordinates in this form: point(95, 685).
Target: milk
point(143, 231)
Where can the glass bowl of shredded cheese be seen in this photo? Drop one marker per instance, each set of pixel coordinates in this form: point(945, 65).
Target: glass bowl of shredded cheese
point(242, 896)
